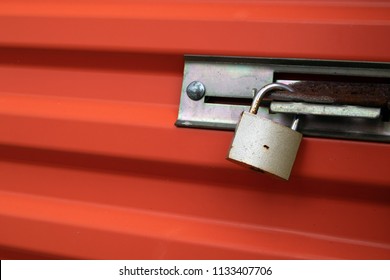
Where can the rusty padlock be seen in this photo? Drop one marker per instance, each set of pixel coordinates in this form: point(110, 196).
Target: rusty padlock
point(262, 144)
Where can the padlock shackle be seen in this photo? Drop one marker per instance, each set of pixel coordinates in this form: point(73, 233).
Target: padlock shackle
point(263, 92)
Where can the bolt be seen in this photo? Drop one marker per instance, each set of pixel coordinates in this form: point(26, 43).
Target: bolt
point(196, 90)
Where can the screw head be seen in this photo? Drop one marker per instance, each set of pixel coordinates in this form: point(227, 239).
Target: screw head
point(196, 90)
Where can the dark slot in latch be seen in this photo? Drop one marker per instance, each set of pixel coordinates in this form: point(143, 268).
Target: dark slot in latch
point(228, 100)
point(330, 78)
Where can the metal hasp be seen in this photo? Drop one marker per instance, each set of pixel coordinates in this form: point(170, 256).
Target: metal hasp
point(336, 99)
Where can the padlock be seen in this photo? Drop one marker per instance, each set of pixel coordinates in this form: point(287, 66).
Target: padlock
point(264, 145)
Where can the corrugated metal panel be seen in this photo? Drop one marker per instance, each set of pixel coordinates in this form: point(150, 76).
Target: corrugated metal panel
point(92, 166)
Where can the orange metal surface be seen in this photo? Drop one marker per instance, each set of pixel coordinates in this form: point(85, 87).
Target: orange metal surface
point(92, 166)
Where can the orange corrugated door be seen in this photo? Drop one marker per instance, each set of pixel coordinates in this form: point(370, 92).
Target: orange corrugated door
point(92, 166)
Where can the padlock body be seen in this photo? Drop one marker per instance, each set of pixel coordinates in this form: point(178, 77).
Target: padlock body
point(264, 145)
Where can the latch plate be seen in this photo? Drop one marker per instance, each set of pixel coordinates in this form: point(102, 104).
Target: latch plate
point(230, 84)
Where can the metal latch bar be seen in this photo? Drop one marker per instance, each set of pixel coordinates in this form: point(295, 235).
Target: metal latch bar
point(216, 90)
point(325, 110)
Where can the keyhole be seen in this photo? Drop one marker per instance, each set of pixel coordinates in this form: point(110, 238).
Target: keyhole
point(265, 146)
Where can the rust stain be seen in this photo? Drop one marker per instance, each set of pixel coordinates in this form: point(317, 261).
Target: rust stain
point(361, 94)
